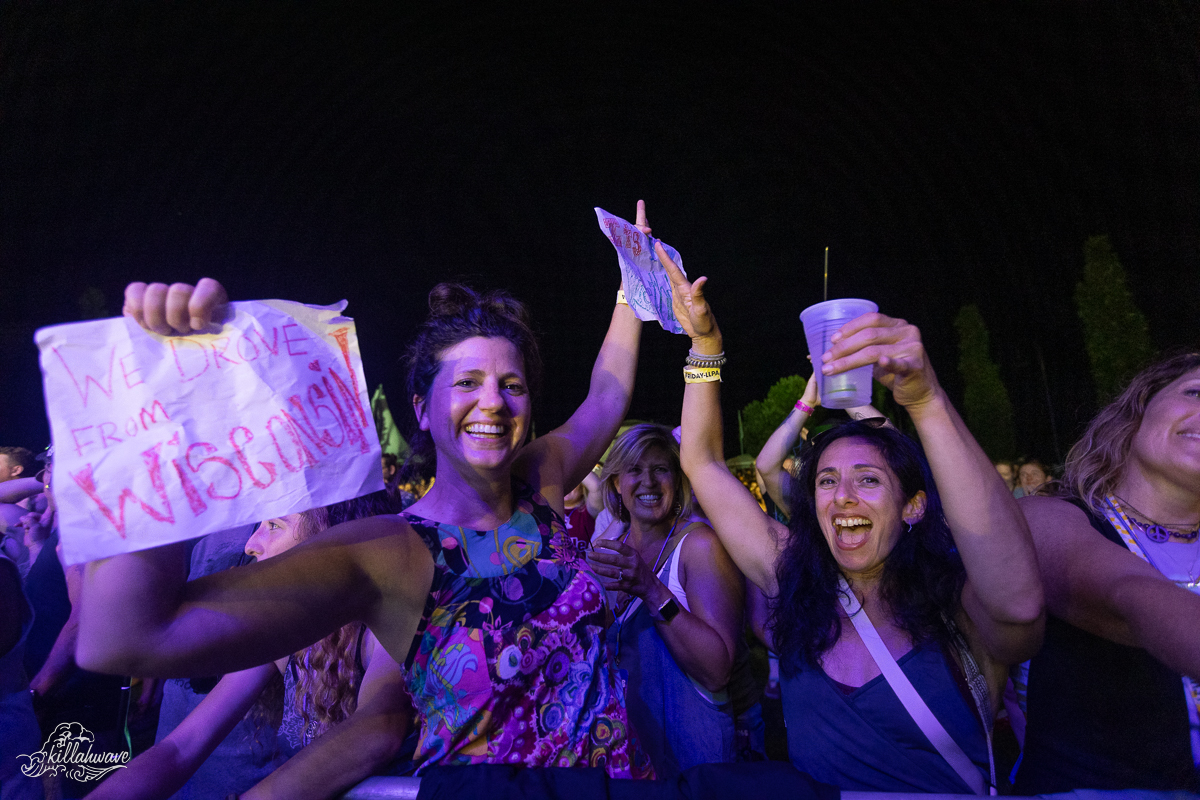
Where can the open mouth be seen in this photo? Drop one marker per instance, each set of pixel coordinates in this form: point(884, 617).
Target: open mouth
point(852, 532)
point(481, 430)
point(648, 499)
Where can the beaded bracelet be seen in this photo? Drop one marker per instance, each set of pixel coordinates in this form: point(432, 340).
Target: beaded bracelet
point(698, 360)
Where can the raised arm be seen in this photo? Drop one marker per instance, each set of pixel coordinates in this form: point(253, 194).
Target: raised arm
point(354, 749)
point(1106, 590)
point(769, 464)
point(162, 770)
point(1003, 594)
point(752, 539)
point(568, 453)
point(140, 617)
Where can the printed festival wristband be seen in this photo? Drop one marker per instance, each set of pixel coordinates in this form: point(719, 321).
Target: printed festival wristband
point(701, 374)
point(621, 301)
point(805, 407)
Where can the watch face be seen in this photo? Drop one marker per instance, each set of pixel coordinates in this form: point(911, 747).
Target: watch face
point(668, 610)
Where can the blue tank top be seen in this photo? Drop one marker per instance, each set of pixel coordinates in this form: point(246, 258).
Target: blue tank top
point(866, 740)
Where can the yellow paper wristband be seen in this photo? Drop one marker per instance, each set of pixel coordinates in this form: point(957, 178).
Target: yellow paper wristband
point(621, 301)
point(701, 374)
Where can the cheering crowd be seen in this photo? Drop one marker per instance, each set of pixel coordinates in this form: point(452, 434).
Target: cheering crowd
point(930, 631)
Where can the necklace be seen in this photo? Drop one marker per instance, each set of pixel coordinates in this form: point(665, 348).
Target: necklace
point(1160, 533)
point(1180, 570)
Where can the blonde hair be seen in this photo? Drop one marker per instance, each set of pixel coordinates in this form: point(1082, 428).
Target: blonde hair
point(627, 450)
point(1096, 462)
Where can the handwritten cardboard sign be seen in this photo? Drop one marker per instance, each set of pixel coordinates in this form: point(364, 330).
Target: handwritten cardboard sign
point(647, 288)
point(159, 439)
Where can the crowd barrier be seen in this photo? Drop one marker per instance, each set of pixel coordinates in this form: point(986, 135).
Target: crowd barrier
point(693, 786)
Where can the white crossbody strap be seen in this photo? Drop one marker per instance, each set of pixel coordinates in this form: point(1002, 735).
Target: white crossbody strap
point(926, 721)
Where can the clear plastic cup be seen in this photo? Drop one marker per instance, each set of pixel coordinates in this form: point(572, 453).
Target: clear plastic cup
point(844, 389)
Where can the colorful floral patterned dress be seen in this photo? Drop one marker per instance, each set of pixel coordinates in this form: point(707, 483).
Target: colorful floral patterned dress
point(509, 665)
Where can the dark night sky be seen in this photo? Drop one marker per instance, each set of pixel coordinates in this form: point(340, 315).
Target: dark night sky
point(947, 153)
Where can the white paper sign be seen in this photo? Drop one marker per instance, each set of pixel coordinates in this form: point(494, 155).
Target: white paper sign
point(647, 288)
point(159, 439)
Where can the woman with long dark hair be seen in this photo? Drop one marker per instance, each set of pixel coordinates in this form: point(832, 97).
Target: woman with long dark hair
point(1114, 696)
point(920, 572)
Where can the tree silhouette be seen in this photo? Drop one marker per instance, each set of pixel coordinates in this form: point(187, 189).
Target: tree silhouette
point(986, 405)
point(1114, 329)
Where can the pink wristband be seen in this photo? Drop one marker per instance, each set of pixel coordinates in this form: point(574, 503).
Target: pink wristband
point(805, 407)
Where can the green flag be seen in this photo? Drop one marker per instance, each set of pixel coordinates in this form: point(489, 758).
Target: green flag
point(389, 435)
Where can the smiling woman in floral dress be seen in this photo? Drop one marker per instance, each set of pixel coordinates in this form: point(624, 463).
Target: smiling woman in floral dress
point(476, 588)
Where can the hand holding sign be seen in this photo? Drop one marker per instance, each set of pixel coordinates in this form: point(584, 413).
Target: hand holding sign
point(647, 289)
point(160, 438)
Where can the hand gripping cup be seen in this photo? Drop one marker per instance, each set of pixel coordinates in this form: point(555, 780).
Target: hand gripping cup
point(844, 389)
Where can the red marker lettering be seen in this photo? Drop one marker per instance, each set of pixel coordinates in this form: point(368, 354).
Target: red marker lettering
point(241, 349)
point(105, 388)
point(188, 371)
point(150, 413)
point(289, 341)
point(195, 501)
point(302, 452)
point(314, 394)
point(75, 437)
point(219, 352)
point(245, 462)
point(85, 481)
point(126, 373)
point(106, 436)
point(212, 489)
point(274, 346)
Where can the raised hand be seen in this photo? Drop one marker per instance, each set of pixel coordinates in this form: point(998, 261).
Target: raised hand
point(690, 307)
point(640, 220)
point(621, 569)
point(894, 347)
point(176, 309)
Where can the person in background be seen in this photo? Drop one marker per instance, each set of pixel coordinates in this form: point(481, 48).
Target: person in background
point(16, 462)
point(583, 504)
point(1007, 473)
point(678, 606)
point(316, 689)
point(1113, 699)
point(949, 586)
point(19, 732)
point(1032, 476)
point(774, 466)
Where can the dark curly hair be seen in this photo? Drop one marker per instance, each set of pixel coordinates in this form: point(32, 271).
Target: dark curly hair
point(458, 313)
point(922, 577)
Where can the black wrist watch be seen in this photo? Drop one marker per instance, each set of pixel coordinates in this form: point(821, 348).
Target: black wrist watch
point(667, 611)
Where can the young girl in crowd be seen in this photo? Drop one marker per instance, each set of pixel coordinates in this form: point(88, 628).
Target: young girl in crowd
point(475, 588)
point(319, 685)
point(1113, 698)
point(930, 562)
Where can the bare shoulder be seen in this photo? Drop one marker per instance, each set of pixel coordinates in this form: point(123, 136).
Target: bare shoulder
point(702, 546)
point(1048, 515)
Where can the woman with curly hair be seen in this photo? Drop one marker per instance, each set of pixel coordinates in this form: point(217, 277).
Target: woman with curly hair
point(920, 571)
point(1113, 697)
point(302, 695)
